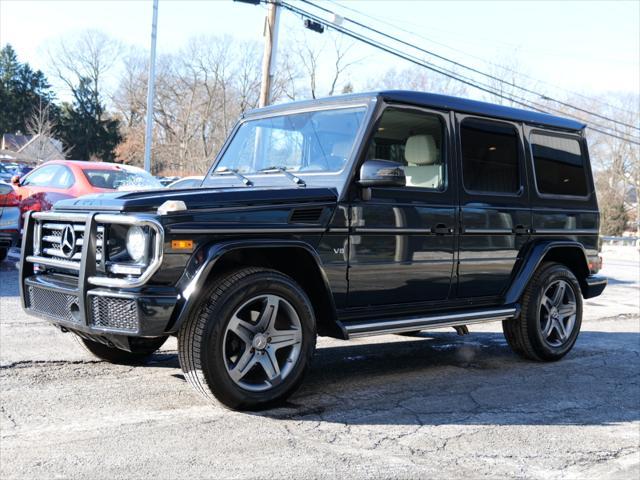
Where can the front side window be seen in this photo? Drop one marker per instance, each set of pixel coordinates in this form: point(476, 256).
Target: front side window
point(415, 140)
point(490, 157)
point(559, 165)
point(308, 142)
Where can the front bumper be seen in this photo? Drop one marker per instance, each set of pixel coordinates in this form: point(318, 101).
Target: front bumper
point(593, 286)
point(84, 301)
point(100, 311)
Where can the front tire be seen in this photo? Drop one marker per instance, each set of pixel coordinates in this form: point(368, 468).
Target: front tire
point(551, 315)
point(250, 341)
point(141, 350)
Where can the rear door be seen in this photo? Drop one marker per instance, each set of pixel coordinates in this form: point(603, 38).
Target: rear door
point(495, 213)
point(401, 243)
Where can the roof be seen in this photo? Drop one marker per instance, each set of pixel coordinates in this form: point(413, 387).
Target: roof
point(15, 141)
point(443, 102)
point(86, 164)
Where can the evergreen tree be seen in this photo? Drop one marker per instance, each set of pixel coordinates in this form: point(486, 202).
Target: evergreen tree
point(84, 129)
point(22, 92)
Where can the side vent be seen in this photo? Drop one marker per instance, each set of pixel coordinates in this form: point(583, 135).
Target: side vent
point(306, 215)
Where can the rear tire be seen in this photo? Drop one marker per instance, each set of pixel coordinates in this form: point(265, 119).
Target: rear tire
point(141, 350)
point(550, 316)
point(250, 341)
point(3, 254)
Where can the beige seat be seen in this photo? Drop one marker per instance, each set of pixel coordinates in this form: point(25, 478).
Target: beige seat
point(423, 162)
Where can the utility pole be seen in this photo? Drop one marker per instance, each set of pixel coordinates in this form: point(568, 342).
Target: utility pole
point(270, 48)
point(151, 89)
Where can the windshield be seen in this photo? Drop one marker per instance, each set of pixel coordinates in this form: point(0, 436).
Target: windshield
point(309, 142)
point(126, 178)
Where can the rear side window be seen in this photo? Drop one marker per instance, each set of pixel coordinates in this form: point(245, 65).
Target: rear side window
point(559, 165)
point(490, 157)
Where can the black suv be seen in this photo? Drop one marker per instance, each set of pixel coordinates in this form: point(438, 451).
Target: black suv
point(358, 215)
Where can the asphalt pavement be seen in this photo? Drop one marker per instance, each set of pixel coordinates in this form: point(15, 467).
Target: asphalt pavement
point(436, 405)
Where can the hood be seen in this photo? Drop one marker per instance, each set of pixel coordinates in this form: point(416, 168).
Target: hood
point(200, 198)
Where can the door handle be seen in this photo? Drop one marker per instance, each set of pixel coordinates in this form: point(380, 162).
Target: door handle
point(441, 229)
point(520, 230)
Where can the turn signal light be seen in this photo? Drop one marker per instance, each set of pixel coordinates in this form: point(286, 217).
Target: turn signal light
point(181, 244)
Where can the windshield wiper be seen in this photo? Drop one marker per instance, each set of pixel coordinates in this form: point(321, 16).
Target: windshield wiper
point(225, 170)
point(297, 180)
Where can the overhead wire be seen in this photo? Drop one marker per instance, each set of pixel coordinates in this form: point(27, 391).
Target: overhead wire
point(443, 71)
point(502, 67)
point(472, 69)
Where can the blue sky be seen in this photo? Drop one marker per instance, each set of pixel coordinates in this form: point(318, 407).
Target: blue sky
point(588, 47)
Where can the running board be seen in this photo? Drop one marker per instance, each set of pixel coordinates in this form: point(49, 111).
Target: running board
point(409, 324)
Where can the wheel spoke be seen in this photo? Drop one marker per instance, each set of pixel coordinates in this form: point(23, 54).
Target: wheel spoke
point(269, 314)
point(547, 302)
point(244, 364)
point(270, 365)
point(561, 329)
point(547, 328)
point(558, 295)
point(285, 338)
point(567, 310)
point(242, 329)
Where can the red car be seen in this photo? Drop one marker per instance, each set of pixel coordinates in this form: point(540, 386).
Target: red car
point(61, 179)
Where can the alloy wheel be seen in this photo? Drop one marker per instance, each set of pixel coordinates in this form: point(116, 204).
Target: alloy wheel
point(557, 313)
point(262, 342)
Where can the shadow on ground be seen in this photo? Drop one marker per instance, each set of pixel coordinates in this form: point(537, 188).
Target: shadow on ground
point(440, 378)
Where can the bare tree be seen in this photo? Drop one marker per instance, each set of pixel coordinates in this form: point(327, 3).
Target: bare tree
point(43, 146)
point(314, 58)
point(89, 55)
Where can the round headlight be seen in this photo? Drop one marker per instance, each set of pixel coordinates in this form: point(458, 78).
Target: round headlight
point(136, 243)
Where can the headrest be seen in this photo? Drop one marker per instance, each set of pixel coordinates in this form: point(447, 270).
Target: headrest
point(341, 149)
point(421, 150)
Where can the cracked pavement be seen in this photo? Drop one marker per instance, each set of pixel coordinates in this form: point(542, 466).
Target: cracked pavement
point(433, 405)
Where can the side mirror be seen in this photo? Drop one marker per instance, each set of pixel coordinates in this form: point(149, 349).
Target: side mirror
point(381, 173)
point(15, 180)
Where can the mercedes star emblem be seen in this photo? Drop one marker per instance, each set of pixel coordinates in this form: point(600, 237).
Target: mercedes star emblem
point(68, 241)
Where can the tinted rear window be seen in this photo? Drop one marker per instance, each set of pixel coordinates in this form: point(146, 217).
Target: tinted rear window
point(490, 157)
point(559, 165)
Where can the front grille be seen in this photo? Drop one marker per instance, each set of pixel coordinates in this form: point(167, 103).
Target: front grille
point(63, 241)
point(114, 312)
point(51, 303)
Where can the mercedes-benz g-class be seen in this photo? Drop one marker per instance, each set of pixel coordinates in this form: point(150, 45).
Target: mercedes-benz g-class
point(357, 215)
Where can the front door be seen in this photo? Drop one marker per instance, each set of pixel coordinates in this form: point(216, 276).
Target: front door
point(494, 204)
point(401, 244)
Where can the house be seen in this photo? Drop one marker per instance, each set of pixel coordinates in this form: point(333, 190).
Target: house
point(33, 149)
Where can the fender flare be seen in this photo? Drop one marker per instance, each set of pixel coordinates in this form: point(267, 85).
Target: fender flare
point(203, 262)
point(533, 257)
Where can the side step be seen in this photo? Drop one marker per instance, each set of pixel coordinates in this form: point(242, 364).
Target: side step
point(409, 324)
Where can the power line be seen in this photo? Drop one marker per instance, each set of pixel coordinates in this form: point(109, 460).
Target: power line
point(502, 67)
point(437, 69)
point(475, 70)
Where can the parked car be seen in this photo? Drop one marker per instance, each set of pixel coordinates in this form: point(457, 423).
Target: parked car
point(367, 214)
point(62, 179)
point(5, 173)
point(9, 219)
point(187, 182)
point(166, 181)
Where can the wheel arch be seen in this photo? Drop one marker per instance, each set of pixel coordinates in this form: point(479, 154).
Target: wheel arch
point(569, 253)
point(296, 259)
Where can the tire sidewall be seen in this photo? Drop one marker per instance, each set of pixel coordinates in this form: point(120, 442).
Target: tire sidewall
point(211, 347)
point(548, 276)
